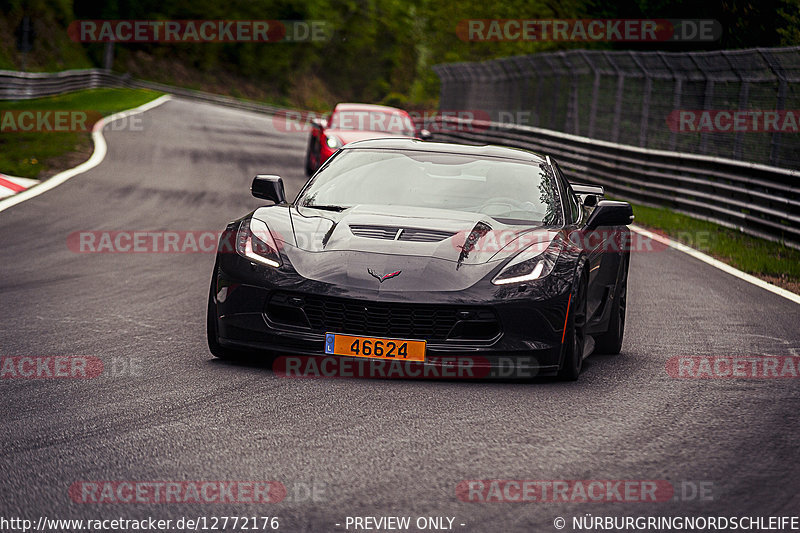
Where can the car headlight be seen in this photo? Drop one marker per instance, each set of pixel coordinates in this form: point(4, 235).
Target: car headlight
point(333, 142)
point(255, 242)
point(530, 264)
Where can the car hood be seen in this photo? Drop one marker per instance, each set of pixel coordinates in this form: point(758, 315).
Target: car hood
point(433, 251)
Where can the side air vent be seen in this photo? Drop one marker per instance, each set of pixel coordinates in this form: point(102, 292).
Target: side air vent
point(397, 233)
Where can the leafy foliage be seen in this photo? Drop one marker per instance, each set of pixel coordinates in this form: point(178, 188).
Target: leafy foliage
point(376, 48)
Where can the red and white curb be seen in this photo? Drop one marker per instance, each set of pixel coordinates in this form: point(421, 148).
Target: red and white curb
point(11, 185)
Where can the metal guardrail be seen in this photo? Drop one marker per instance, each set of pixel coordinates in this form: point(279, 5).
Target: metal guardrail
point(204, 97)
point(756, 199)
point(27, 85)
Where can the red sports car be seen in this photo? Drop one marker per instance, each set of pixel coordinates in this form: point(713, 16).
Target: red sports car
point(356, 122)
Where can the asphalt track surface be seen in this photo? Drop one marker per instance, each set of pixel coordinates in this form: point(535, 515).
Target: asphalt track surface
point(371, 447)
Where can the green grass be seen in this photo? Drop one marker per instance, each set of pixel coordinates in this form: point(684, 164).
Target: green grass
point(750, 254)
point(31, 154)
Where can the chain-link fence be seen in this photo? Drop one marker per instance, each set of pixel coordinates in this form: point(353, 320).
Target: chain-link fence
point(738, 104)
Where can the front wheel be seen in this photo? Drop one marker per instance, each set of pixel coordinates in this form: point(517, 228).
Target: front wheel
point(575, 335)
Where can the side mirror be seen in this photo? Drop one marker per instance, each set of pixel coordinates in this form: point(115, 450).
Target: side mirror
point(610, 213)
point(321, 123)
point(268, 187)
point(425, 135)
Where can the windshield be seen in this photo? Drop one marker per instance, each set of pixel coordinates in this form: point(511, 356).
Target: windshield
point(509, 191)
point(395, 122)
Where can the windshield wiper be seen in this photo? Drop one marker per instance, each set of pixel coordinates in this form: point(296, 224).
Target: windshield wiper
point(405, 133)
point(337, 208)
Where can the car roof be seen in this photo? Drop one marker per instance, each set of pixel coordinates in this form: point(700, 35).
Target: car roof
point(487, 150)
point(366, 107)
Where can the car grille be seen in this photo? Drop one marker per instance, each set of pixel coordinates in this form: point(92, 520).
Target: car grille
point(399, 233)
point(325, 314)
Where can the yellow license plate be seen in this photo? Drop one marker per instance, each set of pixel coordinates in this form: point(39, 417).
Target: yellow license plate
point(374, 348)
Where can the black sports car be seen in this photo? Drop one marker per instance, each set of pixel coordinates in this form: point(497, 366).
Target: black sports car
point(410, 250)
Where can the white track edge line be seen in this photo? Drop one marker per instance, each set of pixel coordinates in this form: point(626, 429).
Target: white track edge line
point(99, 153)
point(717, 264)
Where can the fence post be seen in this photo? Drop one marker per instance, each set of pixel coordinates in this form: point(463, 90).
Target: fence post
point(512, 85)
point(571, 120)
point(535, 63)
point(617, 97)
point(708, 95)
point(523, 84)
point(744, 93)
point(556, 92)
point(469, 86)
point(744, 96)
point(443, 72)
point(595, 91)
point(677, 93)
point(648, 89)
point(780, 104)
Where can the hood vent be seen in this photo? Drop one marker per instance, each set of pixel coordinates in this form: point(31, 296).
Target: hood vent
point(396, 233)
point(480, 229)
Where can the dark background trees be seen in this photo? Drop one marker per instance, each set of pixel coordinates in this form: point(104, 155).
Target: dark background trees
point(378, 50)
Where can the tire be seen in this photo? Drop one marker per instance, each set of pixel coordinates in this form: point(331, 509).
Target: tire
point(610, 342)
point(211, 328)
point(575, 336)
